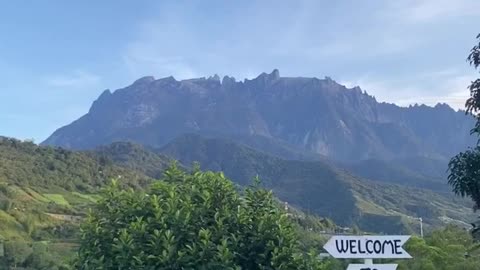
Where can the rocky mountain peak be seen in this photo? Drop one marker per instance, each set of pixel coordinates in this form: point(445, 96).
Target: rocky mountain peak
point(320, 116)
point(215, 78)
point(274, 75)
point(144, 80)
point(443, 106)
point(228, 80)
point(101, 100)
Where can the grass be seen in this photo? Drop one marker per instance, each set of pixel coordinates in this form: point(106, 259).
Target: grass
point(369, 207)
point(63, 251)
point(10, 227)
point(19, 194)
point(57, 198)
point(36, 195)
point(89, 197)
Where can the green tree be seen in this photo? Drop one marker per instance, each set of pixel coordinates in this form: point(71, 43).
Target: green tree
point(40, 258)
point(464, 168)
point(192, 220)
point(446, 249)
point(17, 252)
point(28, 223)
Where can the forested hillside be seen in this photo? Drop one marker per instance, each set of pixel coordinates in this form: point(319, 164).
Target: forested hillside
point(44, 193)
point(322, 188)
point(133, 157)
point(417, 172)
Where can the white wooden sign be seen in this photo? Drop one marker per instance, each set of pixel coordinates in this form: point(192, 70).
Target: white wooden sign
point(367, 247)
point(372, 267)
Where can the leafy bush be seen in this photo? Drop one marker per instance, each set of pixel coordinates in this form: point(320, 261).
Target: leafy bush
point(17, 252)
point(190, 221)
point(6, 204)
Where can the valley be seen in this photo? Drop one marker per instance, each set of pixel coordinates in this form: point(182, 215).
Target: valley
point(330, 183)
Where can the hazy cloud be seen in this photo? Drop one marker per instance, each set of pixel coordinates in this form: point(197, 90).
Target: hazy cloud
point(305, 38)
point(75, 79)
point(424, 11)
point(441, 86)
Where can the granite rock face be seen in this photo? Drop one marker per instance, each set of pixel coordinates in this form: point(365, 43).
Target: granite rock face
point(309, 114)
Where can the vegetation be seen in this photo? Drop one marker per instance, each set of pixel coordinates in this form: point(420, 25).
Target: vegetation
point(26, 164)
point(447, 249)
point(320, 188)
point(464, 168)
point(450, 248)
point(199, 220)
point(39, 223)
point(133, 157)
point(192, 220)
point(422, 172)
point(44, 192)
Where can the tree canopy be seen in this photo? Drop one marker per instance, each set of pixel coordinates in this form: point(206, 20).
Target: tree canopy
point(464, 168)
point(195, 220)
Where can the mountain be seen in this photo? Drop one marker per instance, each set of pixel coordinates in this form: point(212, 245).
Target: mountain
point(27, 164)
point(306, 115)
point(44, 193)
point(133, 157)
point(414, 172)
point(321, 188)
point(42, 183)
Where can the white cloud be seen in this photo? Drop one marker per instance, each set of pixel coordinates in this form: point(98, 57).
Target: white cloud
point(394, 27)
point(142, 60)
point(307, 37)
point(428, 11)
point(162, 45)
point(441, 86)
point(75, 79)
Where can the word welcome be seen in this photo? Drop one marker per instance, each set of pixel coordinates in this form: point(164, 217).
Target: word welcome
point(367, 247)
point(372, 266)
point(357, 246)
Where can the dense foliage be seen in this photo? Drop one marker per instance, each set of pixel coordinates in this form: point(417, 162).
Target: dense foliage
point(192, 220)
point(44, 191)
point(20, 254)
point(464, 168)
point(451, 248)
point(27, 164)
point(133, 157)
point(324, 189)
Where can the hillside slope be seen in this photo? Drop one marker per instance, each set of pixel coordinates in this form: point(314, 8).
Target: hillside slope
point(321, 188)
point(45, 193)
point(133, 157)
point(41, 188)
point(395, 171)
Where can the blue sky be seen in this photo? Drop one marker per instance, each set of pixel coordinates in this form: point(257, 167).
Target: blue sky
point(56, 56)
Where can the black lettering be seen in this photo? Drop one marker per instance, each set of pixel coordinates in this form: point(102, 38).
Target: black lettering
point(352, 246)
point(342, 249)
point(377, 247)
point(386, 243)
point(369, 250)
point(360, 249)
point(398, 247)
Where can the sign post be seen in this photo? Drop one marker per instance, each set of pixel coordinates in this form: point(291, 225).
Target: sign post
point(368, 248)
point(372, 267)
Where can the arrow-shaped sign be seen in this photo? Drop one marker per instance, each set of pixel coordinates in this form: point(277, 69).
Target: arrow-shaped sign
point(372, 267)
point(367, 247)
